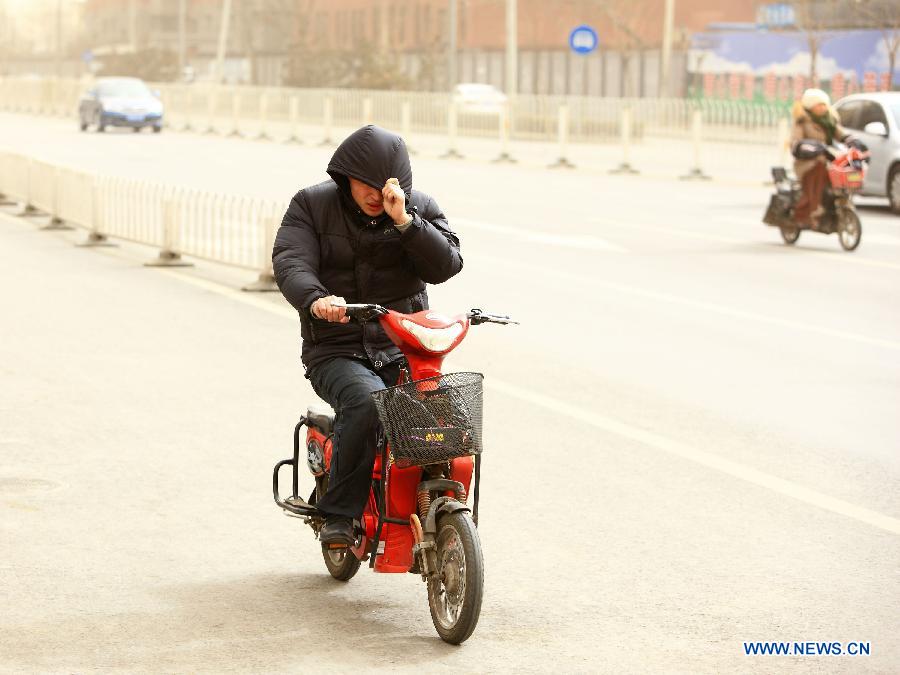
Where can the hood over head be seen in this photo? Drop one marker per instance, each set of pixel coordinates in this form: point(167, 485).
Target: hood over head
point(371, 155)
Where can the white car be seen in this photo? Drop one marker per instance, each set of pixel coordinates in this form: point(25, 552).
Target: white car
point(483, 99)
point(875, 120)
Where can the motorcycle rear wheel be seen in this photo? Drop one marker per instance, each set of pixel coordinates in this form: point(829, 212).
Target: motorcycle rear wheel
point(790, 234)
point(341, 563)
point(849, 230)
point(455, 592)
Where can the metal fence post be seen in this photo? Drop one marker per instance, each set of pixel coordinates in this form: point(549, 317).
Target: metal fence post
point(169, 256)
point(625, 135)
point(265, 283)
point(95, 237)
point(327, 120)
point(56, 223)
point(188, 110)
point(235, 114)
point(503, 131)
point(406, 124)
point(696, 173)
point(784, 142)
point(562, 123)
point(294, 121)
point(452, 152)
point(263, 117)
point(211, 110)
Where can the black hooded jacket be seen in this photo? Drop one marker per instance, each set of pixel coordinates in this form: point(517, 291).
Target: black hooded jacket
point(326, 245)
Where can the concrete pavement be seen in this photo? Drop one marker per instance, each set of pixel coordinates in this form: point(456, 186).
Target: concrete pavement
point(682, 391)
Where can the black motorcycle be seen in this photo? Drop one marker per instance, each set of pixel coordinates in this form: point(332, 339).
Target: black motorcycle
point(846, 171)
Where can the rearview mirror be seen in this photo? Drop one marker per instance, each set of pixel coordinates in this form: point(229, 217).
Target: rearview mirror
point(876, 129)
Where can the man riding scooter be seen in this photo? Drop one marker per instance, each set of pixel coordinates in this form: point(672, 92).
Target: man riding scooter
point(366, 236)
point(816, 126)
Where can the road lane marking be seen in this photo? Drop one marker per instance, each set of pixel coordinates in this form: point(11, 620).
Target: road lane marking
point(245, 297)
point(701, 457)
point(701, 305)
point(584, 242)
point(647, 438)
point(839, 256)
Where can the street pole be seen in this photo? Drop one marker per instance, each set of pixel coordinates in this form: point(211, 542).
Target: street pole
point(132, 24)
point(59, 47)
point(666, 57)
point(512, 50)
point(182, 37)
point(223, 40)
point(452, 46)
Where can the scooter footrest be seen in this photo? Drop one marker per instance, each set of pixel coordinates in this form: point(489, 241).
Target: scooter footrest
point(300, 506)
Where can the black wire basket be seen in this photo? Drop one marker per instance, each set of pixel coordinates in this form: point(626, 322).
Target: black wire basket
point(432, 420)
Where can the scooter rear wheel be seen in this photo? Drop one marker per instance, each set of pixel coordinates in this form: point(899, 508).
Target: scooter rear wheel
point(455, 592)
point(790, 234)
point(341, 562)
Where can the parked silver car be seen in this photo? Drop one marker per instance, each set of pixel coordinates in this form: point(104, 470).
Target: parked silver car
point(875, 120)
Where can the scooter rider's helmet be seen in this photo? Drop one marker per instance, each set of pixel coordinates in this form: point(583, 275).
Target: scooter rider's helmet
point(812, 97)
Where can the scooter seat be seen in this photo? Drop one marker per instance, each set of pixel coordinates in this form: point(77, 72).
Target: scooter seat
point(321, 417)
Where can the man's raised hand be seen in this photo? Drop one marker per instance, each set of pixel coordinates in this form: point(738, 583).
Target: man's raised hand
point(395, 201)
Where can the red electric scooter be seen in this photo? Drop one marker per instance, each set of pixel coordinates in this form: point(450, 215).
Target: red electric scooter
point(422, 511)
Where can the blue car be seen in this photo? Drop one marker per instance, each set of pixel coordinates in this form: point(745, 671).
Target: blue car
point(120, 102)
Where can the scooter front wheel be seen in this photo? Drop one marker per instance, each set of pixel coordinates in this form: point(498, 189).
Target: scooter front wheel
point(849, 230)
point(455, 591)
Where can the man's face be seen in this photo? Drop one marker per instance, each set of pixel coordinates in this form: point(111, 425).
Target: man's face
point(367, 198)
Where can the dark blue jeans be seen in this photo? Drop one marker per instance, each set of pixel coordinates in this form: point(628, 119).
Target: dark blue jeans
point(346, 384)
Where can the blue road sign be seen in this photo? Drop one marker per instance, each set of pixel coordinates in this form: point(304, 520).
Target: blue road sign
point(583, 39)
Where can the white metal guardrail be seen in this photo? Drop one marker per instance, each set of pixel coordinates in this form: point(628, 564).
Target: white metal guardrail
point(272, 112)
point(733, 140)
point(228, 229)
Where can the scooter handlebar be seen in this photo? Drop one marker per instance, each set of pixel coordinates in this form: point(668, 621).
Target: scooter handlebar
point(476, 316)
point(363, 312)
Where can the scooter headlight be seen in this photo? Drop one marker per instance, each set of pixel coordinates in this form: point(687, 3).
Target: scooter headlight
point(434, 339)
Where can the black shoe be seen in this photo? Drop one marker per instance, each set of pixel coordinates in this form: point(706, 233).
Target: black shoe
point(337, 530)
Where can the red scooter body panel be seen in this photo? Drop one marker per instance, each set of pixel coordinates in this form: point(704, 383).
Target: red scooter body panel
point(401, 503)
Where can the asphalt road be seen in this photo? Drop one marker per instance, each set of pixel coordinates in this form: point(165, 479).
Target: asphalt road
point(692, 437)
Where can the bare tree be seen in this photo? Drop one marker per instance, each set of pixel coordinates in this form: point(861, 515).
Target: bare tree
point(885, 16)
point(813, 19)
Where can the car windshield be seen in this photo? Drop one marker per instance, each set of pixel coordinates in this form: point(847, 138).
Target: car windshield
point(123, 88)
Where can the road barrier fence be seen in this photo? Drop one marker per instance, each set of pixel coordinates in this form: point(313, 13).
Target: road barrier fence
point(566, 124)
point(224, 228)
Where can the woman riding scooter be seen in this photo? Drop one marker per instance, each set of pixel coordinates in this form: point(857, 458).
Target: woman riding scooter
point(816, 126)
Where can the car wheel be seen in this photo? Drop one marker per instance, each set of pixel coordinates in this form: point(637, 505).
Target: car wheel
point(157, 129)
point(136, 130)
point(894, 189)
point(82, 124)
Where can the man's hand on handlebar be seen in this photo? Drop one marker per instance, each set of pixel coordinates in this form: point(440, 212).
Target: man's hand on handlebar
point(330, 308)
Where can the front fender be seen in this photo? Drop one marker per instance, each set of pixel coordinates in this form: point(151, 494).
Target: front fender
point(439, 507)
